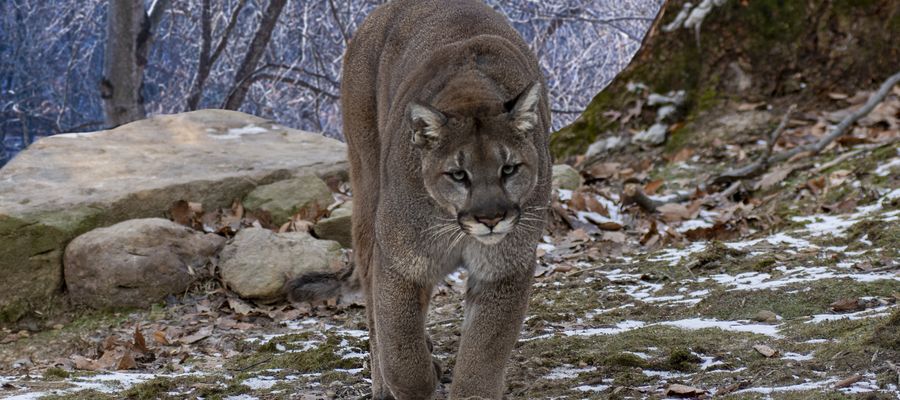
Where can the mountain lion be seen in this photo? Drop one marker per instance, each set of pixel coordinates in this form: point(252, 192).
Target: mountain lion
point(446, 119)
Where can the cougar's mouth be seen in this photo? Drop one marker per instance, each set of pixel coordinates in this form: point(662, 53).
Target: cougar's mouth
point(489, 230)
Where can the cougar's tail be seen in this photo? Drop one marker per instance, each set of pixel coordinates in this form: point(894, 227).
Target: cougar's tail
point(320, 286)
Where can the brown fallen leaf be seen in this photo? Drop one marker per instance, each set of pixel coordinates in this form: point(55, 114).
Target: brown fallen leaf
point(181, 213)
point(848, 382)
point(673, 212)
point(160, 337)
point(615, 237)
point(653, 186)
point(680, 390)
point(239, 306)
point(201, 334)
point(126, 361)
point(774, 177)
point(84, 363)
point(604, 170)
point(139, 343)
point(766, 351)
point(610, 226)
point(682, 155)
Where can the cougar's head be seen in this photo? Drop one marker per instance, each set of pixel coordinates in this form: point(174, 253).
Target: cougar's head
point(480, 165)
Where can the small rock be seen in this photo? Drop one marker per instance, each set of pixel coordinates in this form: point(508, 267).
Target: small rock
point(257, 262)
point(337, 226)
point(766, 351)
point(847, 305)
point(765, 316)
point(136, 263)
point(605, 145)
point(285, 198)
point(565, 177)
point(655, 135)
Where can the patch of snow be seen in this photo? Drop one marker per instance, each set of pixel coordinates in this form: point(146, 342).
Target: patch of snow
point(758, 281)
point(566, 371)
point(734, 326)
point(876, 312)
point(623, 326)
point(542, 246)
point(885, 169)
point(641, 355)
point(591, 388)
point(564, 194)
point(237, 133)
point(351, 371)
point(693, 224)
point(75, 135)
point(791, 388)
point(260, 382)
point(673, 256)
point(665, 375)
point(797, 356)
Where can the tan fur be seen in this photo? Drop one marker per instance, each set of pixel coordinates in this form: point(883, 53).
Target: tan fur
point(433, 87)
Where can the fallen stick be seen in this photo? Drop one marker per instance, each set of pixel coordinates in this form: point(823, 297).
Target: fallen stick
point(758, 167)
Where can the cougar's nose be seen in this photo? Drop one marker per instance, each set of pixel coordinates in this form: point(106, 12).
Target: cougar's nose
point(491, 221)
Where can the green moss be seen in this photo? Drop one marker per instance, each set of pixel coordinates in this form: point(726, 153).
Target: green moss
point(887, 333)
point(323, 357)
point(792, 301)
point(156, 388)
point(81, 395)
point(682, 359)
point(626, 360)
point(54, 373)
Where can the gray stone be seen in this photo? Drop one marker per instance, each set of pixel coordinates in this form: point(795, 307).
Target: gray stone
point(283, 199)
point(337, 226)
point(565, 177)
point(65, 185)
point(765, 316)
point(655, 135)
point(136, 263)
point(257, 263)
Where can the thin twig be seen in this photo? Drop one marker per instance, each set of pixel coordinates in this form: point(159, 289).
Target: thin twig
point(762, 164)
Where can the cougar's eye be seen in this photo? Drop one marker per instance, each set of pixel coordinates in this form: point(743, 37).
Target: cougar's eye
point(459, 176)
point(508, 170)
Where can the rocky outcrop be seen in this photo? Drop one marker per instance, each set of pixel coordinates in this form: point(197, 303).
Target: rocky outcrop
point(257, 263)
point(136, 263)
point(69, 184)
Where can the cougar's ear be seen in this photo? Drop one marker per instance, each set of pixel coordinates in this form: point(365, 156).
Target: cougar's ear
point(426, 123)
point(523, 110)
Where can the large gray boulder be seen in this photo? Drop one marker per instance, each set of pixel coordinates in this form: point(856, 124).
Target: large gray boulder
point(65, 185)
point(257, 262)
point(136, 263)
point(285, 198)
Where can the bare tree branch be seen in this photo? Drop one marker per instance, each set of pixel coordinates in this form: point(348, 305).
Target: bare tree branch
point(254, 54)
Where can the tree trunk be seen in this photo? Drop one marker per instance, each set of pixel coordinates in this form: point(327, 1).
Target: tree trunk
point(127, 29)
point(243, 78)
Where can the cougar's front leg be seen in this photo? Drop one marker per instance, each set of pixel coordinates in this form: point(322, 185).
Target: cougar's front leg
point(404, 358)
point(494, 314)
